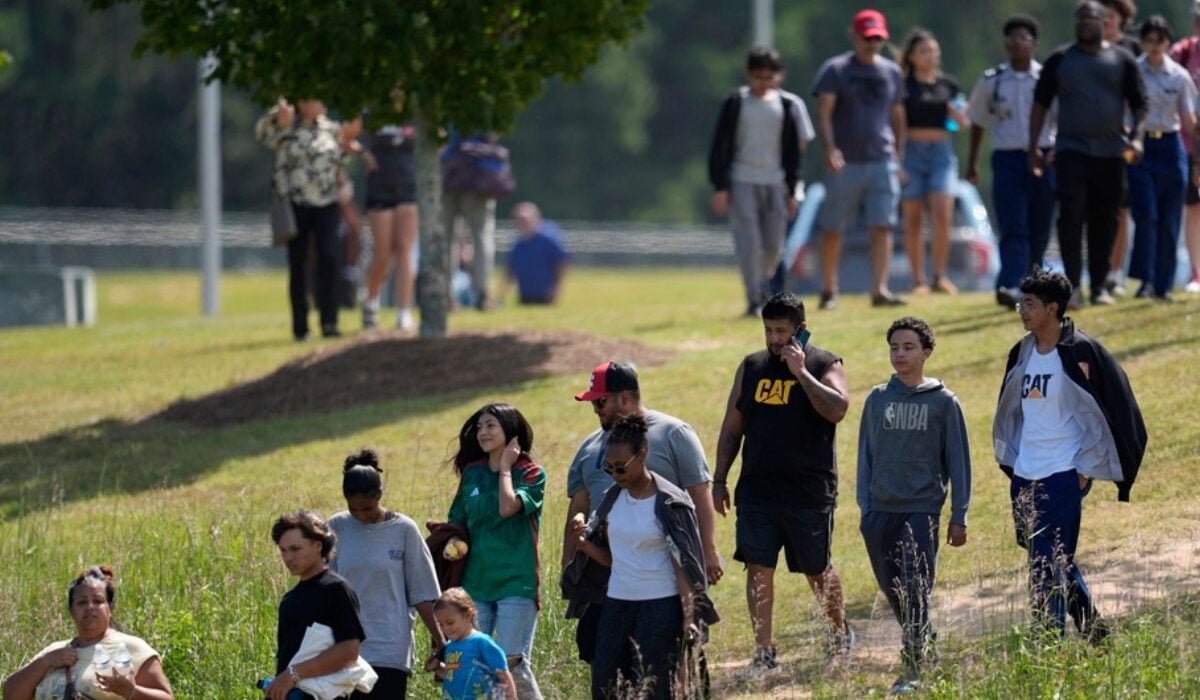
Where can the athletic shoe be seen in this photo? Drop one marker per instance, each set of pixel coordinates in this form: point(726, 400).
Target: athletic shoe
point(1144, 292)
point(1076, 301)
point(941, 285)
point(330, 331)
point(828, 301)
point(1008, 298)
point(762, 665)
point(887, 299)
point(1113, 285)
point(905, 685)
point(1165, 298)
point(840, 645)
point(404, 320)
point(1103, 299)
point(370, 311)
point(1193, 286)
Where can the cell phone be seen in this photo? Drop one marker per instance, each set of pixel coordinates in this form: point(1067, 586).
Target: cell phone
point(801, 337)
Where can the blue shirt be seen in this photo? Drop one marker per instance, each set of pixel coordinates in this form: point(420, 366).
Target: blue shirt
point(471, 666)
point(534, 263)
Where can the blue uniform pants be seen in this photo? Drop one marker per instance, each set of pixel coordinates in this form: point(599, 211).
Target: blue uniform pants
point(1024, 207)
point(1047, 513)
point(1156, 191)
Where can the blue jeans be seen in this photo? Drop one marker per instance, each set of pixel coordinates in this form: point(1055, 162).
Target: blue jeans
point(637, 639)
point(1024, 207)
point(1047, 514)
point(512, 622)
point(1156, 191)
point(903, 550)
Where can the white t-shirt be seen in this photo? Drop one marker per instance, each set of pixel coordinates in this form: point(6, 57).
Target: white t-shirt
point(1050, 436)
point(641, 562)
point(84, 674)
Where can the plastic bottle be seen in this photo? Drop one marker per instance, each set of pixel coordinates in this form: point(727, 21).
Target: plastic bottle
point(101, 660)
point(959, 104)
point(122, 661)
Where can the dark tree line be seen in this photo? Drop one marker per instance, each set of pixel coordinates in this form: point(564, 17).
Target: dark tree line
point(88, 125)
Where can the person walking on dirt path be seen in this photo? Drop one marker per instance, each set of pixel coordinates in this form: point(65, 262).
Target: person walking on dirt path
point(675, 453)
point(912, 453)
point(1066, 415)
point(783, 408)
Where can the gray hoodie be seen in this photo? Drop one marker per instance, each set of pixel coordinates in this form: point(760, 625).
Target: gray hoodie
point(912, 444)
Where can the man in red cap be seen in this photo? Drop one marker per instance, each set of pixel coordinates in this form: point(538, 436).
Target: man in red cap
point(675, 454)
point(861, 124)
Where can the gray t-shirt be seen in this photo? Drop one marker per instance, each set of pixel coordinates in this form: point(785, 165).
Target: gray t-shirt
point(391, 570)
point(1093, 91)
point(862, 115)
point(675, 453)
point(759, 131)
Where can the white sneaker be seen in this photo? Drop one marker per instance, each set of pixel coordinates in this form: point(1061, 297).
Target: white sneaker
point(1192, 287)
point(404, 320)
point(370, 311)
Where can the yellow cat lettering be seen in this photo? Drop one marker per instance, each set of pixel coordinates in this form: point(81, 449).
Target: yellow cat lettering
point(774, 392)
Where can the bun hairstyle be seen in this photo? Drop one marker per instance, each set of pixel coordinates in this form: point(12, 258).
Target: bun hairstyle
point(361, 475)
point(630, 431)
point(310, 525)
point(93, 574)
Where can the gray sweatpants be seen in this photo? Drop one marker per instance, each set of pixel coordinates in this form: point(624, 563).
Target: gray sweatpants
point(478, 213)
point(758, 215)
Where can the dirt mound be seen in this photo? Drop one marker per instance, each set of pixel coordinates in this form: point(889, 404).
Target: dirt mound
point(390, 366)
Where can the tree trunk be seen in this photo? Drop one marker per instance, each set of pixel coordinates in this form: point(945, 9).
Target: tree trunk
point(435, 269)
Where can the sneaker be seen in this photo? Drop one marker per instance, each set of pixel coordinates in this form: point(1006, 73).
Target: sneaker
point(330, 331)
point(1113, 285)
point(1008, 298)
point(887, 299)
point(828, 301)
point(942, 285)
point(1097, 631)
point(1103, 299)
point(1076, 301)
point(905, 685)
point(840, 647)
point(404, 320)
point(762, 665)
point(1144, 292)
point(752, 309)
point(1193, 286)
point(370, 311)
point(1165, 298)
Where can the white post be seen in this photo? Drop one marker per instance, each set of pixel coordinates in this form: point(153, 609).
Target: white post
point(764, 22)
point(209, 159)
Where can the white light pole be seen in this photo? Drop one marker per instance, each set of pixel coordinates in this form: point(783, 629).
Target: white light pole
point(208, 133)
point(764, 22)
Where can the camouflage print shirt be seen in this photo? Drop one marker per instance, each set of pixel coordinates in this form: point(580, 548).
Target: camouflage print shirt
point(308, 158)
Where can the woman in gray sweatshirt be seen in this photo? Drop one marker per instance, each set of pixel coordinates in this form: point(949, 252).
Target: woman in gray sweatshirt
point(912, 451)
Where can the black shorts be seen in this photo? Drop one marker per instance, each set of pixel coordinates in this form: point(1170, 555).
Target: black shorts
point(1192, 193)
point(375, 204)
point(805, 535)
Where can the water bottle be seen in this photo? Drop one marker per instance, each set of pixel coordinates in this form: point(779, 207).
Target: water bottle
point(101, 660)
point(122, 661)
point(959, 104)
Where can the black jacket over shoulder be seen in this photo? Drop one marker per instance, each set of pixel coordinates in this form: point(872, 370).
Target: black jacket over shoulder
point(720, 156)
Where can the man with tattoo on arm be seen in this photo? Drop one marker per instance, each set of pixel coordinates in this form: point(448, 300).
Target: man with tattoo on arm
point(783, 409)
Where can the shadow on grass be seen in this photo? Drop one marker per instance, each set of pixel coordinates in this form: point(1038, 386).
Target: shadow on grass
point(334, 391)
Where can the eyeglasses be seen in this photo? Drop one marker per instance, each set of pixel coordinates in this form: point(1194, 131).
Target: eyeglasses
point(619, 471)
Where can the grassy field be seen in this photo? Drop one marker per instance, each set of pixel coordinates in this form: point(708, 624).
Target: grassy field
point(183, 512)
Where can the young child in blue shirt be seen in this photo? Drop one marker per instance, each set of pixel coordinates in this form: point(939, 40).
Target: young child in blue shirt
point(473, 666)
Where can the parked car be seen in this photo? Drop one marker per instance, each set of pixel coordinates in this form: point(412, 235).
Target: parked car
point(974, 256)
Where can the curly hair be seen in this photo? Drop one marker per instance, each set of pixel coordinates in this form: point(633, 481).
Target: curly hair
point(310, 525)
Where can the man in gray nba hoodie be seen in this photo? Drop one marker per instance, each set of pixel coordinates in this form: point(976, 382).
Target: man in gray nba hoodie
point(912, 451)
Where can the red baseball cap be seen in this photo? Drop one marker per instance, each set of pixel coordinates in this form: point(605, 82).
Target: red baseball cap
point(609, 378)
point(870, 23)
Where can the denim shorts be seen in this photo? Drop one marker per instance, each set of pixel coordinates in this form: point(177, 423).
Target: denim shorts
point(931, 168)
point(866, 192)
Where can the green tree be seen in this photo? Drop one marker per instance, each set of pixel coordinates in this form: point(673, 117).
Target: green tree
point(473, 64)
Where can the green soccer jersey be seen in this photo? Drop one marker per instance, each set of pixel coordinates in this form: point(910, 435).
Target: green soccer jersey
point(503, 561)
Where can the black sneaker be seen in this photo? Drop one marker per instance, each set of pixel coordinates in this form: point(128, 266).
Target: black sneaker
point(1007, 298)
point(762, 665)
point(330, 332)
point(887, 299)
point(828, 301)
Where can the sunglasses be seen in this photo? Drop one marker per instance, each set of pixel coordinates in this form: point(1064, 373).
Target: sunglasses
point(619, 471)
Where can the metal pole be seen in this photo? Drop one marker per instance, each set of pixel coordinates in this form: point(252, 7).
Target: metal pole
point(764, 23)
point(209, 158)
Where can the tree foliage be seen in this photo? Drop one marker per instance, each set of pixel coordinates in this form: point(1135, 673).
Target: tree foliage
point(471, 63)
